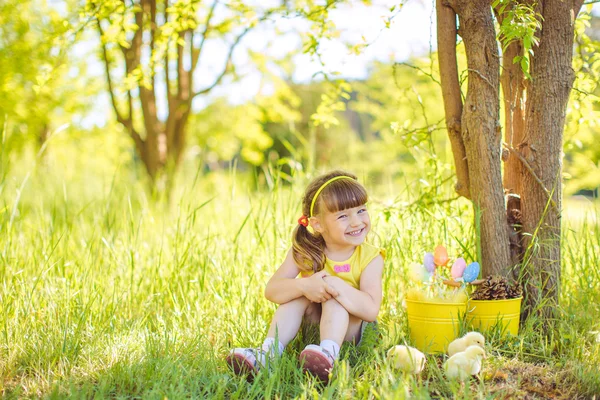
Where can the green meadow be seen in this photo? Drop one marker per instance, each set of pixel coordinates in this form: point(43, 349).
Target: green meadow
point(153, 155)
point(108, 293)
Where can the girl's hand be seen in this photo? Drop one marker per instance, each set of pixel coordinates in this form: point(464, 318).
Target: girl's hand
point(316, 289)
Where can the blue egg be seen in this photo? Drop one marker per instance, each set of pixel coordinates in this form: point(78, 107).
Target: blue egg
point(471, 272)
point(428, 262)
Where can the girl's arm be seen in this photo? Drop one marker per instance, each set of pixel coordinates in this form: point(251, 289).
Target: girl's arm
point(284, 287)
point(363, 303)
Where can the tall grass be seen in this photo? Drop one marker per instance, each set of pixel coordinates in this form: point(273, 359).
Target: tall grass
point(107, 294)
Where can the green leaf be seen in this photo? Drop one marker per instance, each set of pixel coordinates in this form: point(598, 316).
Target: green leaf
point(524, 64)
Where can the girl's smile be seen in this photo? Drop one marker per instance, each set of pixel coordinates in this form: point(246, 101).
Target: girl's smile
point(356, 233)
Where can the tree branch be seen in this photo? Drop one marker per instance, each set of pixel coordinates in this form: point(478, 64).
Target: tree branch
point(152, 7)
point(130, 104)
point(225, 67)
point(513, 91)
point(421, 70)
point(181, 75)
point(446, 36)
point(167, 74)
point(126, 122)
point(113, 99)
point(134, 54)
point(204, 36)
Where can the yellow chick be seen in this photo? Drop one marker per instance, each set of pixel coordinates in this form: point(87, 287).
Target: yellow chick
point(464, 364)
point(470, 339)
point(406, 359)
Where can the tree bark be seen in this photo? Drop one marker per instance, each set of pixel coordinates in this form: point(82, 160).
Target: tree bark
point(453, 107)
point(512, 81)
point(548, 94)
point(513, 85)
point(513, 89)
point(481, 133)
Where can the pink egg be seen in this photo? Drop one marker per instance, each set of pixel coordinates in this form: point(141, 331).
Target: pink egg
point(458, 268)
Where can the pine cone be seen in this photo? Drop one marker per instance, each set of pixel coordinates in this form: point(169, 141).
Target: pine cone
point(493, 288)
point(515, 291)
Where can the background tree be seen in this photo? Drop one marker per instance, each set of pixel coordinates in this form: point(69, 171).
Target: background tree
point(539, 36)
point(154, 55)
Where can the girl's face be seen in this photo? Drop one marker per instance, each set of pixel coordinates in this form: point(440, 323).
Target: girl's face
point(344, 228)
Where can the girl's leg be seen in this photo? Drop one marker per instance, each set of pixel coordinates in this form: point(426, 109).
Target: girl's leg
point(287, 319)
point(335, 321)
point(284, 326)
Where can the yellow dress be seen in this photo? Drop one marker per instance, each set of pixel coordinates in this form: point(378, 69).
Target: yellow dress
point(350, 270)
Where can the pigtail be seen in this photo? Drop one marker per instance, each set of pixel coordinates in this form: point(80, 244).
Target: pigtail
point(308, 249)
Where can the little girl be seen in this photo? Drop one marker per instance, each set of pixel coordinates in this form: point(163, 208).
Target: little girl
point(330, 276)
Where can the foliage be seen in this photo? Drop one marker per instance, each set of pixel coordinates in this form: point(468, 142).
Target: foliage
point(582, 155)
point(106, 294)
point(43, 84)
point(224, 132)
point(332, 101)
point(520, 22)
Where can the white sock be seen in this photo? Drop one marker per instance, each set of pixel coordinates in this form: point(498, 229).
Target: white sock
point(269, 346)
point(332, 347)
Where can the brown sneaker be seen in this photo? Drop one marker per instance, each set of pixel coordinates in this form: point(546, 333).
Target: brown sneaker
point(317, 361)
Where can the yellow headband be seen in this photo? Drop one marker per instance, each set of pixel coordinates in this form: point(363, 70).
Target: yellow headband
point(314, 200)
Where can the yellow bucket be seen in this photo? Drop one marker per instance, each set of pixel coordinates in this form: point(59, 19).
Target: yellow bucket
point(434, 325)
point(484, 314)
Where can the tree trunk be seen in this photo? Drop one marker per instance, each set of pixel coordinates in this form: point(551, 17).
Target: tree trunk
point(513, 89)
point(513, 85)
point(535, 117)
point(541, 149)
point(453, 108)
point(481, 133)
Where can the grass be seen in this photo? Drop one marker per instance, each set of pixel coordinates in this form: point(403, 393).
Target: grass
point(107, 294)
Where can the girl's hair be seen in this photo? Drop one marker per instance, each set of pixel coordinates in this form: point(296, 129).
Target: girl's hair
point(308, 248)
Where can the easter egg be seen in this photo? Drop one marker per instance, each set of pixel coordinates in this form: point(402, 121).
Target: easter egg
point(471, 272)
point(416, 272)
point(440, 256)
point(428, 262)
point(458, 268)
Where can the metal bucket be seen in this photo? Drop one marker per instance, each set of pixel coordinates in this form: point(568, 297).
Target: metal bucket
point(434, 325)
point(484, 314)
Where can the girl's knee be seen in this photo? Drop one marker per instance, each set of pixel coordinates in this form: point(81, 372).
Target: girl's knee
point(300, 303)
